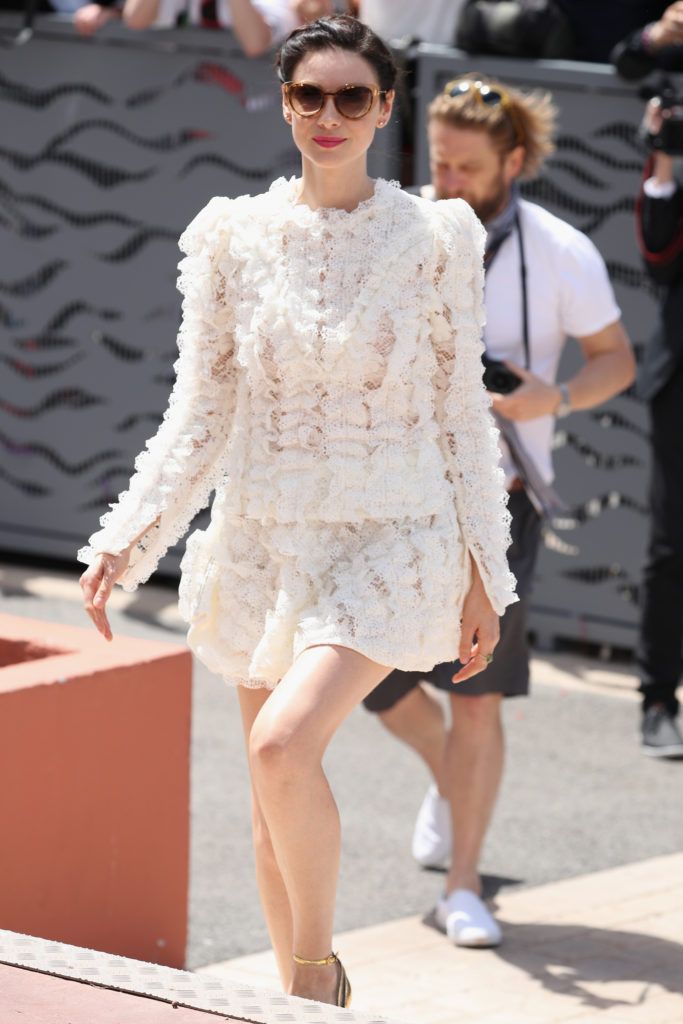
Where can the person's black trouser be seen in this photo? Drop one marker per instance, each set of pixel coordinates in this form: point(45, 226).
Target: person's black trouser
point(661, 632)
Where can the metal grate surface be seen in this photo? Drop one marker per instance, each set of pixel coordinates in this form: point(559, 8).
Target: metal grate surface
point(199, 992)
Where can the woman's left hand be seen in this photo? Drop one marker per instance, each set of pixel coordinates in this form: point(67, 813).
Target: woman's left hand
point(480, 629)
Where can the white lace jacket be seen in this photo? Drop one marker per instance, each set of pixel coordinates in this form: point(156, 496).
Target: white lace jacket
point(329, 369)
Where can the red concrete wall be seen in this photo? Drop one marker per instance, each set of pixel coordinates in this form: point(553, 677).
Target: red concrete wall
point(94, 801)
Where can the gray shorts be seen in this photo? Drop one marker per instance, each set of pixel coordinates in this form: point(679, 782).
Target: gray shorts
point(508, 673)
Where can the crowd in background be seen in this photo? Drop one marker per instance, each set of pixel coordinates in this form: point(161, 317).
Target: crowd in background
point(632, 33)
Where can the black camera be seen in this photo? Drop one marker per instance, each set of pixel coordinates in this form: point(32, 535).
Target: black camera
point(669, 139)
point(498, 377)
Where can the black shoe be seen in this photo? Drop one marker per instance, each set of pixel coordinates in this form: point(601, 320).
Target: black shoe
point(661, 735)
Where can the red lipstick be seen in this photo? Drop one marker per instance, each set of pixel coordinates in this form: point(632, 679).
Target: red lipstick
point(328, 141)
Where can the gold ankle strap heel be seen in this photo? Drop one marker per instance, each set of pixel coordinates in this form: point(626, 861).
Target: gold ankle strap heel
point(343, 988)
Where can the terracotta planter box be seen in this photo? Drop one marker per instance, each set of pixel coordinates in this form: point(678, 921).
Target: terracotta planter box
point(94, 804)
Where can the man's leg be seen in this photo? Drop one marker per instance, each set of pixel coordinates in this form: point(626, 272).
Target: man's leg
point(661, 633)
point(475, 746)
point(418, 720)
point(474, 768)
point(414, 716)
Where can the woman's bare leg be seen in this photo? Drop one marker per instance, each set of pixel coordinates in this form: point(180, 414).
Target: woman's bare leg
point(274, 899)
point(288, 739)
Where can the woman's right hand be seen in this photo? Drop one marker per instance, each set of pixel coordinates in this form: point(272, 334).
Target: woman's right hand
point(96, 583)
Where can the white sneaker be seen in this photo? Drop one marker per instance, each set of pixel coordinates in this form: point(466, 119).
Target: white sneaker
point(432, 834)
point(466, 920)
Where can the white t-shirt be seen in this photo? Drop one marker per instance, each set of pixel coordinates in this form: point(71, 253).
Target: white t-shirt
point(431, 21)
point(569, 295)
point(277, 13)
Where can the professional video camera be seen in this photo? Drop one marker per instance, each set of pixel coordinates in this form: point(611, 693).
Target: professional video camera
point(669, 139)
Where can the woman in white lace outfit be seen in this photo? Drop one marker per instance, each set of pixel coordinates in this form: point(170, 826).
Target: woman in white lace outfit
point(329, 389)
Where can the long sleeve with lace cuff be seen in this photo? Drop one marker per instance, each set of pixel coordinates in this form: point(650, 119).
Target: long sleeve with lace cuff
point(469, 437)
point(181, 464)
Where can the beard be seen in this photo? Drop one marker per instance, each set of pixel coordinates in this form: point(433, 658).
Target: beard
point(489, 206)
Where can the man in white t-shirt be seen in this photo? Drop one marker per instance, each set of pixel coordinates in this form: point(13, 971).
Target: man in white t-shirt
point(430, 21)
point(257, 24)
point(545, 282)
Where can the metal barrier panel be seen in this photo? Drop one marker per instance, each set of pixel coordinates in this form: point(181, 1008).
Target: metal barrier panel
point(109, 146)
point(588, 572)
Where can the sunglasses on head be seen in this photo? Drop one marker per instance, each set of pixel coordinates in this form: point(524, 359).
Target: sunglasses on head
point(486, 95)
point(352, 101)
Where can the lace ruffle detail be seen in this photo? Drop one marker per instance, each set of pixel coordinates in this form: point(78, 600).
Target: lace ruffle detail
point(391, 590)
point(332, 335)
point(470, 439)
point(181, 464)
point(329, 388)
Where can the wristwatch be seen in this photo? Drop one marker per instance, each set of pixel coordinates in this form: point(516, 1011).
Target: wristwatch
point(565, 406)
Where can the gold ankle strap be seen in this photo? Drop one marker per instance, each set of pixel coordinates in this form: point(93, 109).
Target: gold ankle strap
point(331, 959)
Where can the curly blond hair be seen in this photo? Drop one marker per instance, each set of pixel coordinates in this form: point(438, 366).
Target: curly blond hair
point(523, 119)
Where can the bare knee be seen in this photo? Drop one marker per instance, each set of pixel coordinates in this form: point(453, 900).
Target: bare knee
point(480, 711)
point(276, 754)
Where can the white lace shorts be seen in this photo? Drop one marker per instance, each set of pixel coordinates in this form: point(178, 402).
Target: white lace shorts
point(256, 594)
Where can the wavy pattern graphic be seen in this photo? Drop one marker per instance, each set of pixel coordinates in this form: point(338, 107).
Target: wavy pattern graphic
point(66, 398)
point(167, 143)
point(118, 349)
point(160, 313)
point(136, 243)
point(114, 346)
point(594, 508)
point(574, 144)
point(132, 421)
point(17, 92)
point(23, 448)
point(251, 173)
point(102, 175)
point(627, 588)
point(35, 281)
point(7, 319)
point(609, 418)
point(75, 218)
point(140, 237)
point(20, 224)
point(99, 504)
point(632, 277)
point(548, 193)
point(579, 173)
point(49, 338)
point(28, 487)
point(45, 342)
point(625, 131)
point(591, 456)
point(167, 379)
point(207, 73)
point(77, 308)
point(595, 574)
point(29, 371)
point(106, 478)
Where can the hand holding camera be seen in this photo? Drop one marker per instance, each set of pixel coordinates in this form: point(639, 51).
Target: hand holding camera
point(518, 394)
point(663, 120)
point(668, 31)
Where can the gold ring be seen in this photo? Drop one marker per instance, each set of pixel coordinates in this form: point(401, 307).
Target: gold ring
point(488, 658)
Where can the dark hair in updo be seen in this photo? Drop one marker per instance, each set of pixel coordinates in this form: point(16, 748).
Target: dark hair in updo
point(340, 32)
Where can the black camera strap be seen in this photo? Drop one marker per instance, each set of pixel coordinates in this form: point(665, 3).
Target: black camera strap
point(488, 260)
point(525, 295)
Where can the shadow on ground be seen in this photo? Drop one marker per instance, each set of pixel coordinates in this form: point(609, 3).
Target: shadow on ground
point(578, 962)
